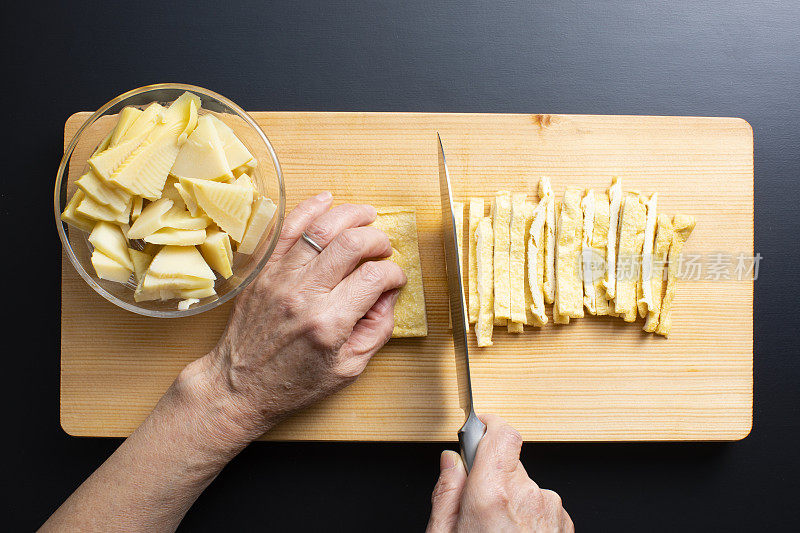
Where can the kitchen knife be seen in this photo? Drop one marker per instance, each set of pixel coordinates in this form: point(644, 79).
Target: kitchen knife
point(473, 429)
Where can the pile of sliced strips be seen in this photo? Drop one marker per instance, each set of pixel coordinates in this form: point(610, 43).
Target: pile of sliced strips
point(608, 252)
point(166, 198)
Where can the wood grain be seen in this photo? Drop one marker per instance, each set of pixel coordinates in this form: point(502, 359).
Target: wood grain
point(596, 379)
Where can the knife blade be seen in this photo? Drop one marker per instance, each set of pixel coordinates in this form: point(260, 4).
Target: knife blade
point(473, 429)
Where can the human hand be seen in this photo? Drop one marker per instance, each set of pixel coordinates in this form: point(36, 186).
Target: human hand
point(304, 328)
point(497, 495)
point(309, 324)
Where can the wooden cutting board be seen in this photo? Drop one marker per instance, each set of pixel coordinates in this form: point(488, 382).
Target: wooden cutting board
point(596, 379)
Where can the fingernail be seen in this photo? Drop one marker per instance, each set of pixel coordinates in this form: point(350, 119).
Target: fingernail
point(448, 460)
point(324, 196)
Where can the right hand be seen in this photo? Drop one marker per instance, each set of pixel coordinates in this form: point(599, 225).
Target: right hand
point(497, 495)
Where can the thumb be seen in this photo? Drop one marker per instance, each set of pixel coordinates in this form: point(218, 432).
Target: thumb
point(446, 497)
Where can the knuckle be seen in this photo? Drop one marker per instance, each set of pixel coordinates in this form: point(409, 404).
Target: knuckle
point(388, 329)
point(351, 241)
point(321, 338)
point(315, 323)
point(384, 307)
point(491, 419)
point(290, 228)
point(569, 526)
point(398, 269)
point(350, 212)
point(348, 373)
point(552, 498)
point(350, 367)
point(443, 487)
point(372, 272)
point(397, 272)
point(290, 305)
point(295, 219)
point(321, 233)
point(305, 208)
point(340, 322)
point(347, 376)
point(509, 437)
point(323, 333)
point(383, 243)
point(532, 495)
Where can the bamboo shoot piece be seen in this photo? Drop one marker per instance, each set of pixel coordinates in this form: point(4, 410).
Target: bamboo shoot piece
point(631, 238)
point(485, 270)
point(517, 263)
point(558, 317)
point(501, 224)
point(476, 210)
point(546, 195)
point(682, 226)
point(644, 290)
point(400, 224)
point(599, 244)
point(587, 254)
point(569, 287)
point(536, 264)
point(615, 199)
point(657, 283)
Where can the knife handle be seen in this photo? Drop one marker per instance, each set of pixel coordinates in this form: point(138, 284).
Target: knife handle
point(469, 436)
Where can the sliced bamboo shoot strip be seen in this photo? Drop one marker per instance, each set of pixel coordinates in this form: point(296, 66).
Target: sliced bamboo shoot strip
point(485, 270)
point(661, 249)
point(476, 211)
point(569, 287)
point(546, 196)
point(683, 226)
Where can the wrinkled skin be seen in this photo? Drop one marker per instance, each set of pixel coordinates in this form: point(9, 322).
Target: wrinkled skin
point(309, 324)
point(497, 495)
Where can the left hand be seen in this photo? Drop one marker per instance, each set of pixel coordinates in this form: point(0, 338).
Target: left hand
point(309, 324)
point(305, 327)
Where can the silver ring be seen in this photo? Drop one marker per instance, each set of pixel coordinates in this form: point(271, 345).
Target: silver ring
point(312, 243)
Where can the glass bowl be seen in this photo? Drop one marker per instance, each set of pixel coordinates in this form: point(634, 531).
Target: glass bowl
point(267, 178)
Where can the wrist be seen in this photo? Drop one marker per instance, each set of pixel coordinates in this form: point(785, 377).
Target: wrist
point(204, 392)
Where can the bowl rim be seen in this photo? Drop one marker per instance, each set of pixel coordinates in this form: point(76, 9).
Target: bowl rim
point(63, 171)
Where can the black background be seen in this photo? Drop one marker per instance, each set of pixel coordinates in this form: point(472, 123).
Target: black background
point(679, 57)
